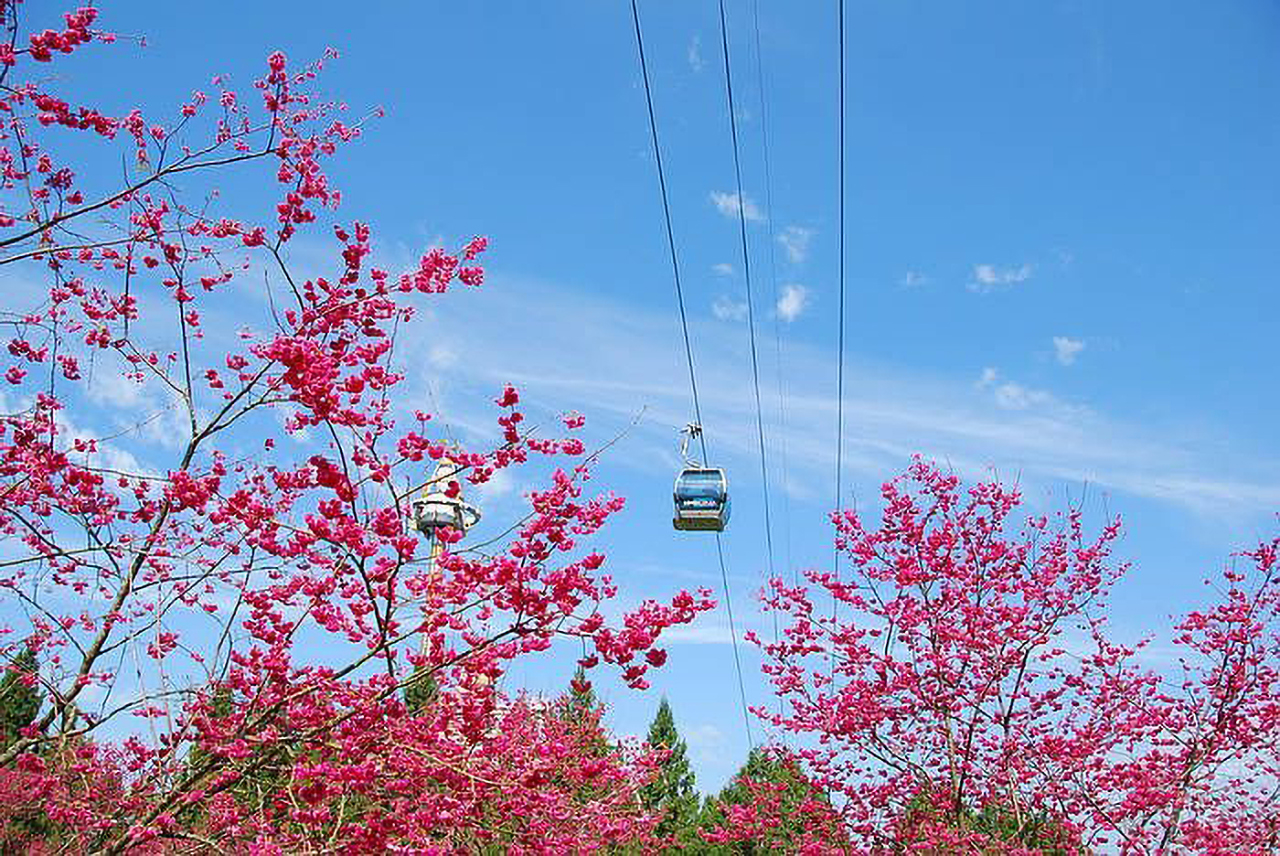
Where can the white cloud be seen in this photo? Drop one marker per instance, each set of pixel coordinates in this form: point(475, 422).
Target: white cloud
point(694, 54)
point(442, 356)
point(707, 742)
point(143, 411)
point(793, 301)
point(727, 309)
point(700, 633)
point(499, 485)
point(637, 361)
point(704, 735)
point(727, 204)
point(108, 454)
point(110, 386)
point(1015, 396)
point(1067, 349)
point(989, 278)
point(913, 279)
point(723, 269)
point(1010, 395)
point(795, 240)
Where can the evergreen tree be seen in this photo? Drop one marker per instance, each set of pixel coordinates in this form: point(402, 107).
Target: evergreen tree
point(581, 707)
point(1035, 832)
point(420, 692)
point(263, 777)
point(672, 792)
point(19, 696)
point(221, 706)
point(761, 766)
point(20, 700)
point(580, 702)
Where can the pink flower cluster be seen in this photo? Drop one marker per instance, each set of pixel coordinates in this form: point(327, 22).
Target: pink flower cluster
point(966, 672)
point(241, 536)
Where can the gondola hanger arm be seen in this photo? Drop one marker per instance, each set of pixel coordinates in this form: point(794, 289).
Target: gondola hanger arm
point(688, 434)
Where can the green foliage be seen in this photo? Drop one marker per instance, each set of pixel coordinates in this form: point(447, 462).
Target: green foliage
point(25, 823)
point(580, 707)
point(1031, 830)
point(420, 692)
point(580, 703)
point(1035, 831)
point(672, 792)
point(762, 766)
point(221, 706)
point(264, 777)
point(19, 696)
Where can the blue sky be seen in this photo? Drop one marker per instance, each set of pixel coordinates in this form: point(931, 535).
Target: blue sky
point(1061, 258)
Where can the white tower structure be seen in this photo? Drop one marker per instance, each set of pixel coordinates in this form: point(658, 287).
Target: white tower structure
point(436, 509)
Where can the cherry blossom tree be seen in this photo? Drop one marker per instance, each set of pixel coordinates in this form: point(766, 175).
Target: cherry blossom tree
point(965, 694)
point(207, 465)
point(771, 805)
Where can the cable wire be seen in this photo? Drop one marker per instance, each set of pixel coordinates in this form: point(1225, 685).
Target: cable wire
point(666, 214)
point(746, 272)
point(840, 347)
point(777, 337)
point(751, 317)
point(773, 276)
point(688, 349)
point(737, 659)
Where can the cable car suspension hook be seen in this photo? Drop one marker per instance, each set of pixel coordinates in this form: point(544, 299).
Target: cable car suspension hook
point(688, 434)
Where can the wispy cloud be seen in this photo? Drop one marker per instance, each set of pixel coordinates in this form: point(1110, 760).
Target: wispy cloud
point(727, 309)
point(701, 633)
point(707, 741)
point(727, 204)
point(1067, 349)
point(499, 485)
point(442, 356)
point(793, 301)
point(637, 360)
point(694, 54)
point(1015, 396)
point(795, 240)
point(712, 631)
point(913, 279)
point(989, 278)
point(722, 269)
point(1011, 395)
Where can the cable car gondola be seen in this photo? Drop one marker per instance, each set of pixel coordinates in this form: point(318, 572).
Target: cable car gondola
point(701, 499)
point(701, 494)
